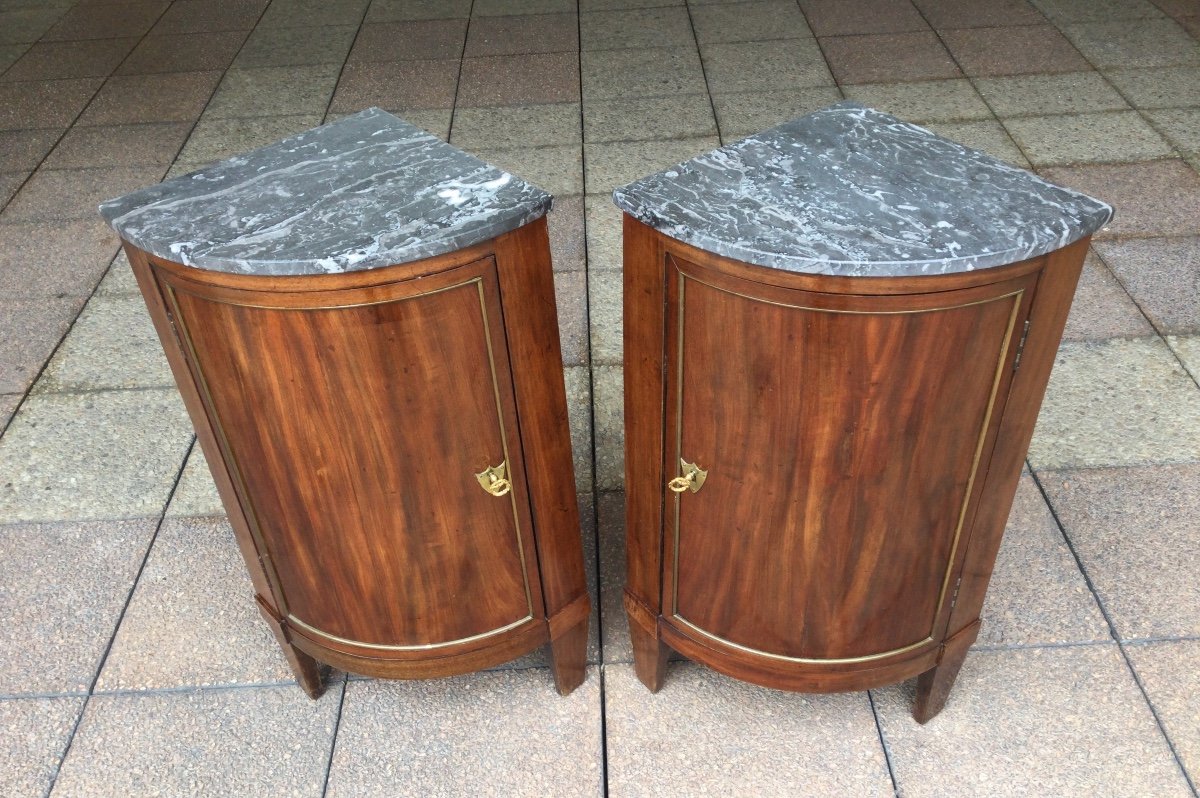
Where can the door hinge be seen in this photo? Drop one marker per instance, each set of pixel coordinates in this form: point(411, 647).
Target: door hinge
point(1021, 345)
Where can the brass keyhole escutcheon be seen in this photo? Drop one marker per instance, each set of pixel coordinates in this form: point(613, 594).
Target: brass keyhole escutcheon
point(492, 479)
point(692, 479)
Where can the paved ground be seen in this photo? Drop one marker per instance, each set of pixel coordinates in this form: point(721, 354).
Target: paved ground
point(131, 661)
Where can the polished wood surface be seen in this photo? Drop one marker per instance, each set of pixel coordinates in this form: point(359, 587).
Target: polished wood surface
point(346, 418)
point(854, 435)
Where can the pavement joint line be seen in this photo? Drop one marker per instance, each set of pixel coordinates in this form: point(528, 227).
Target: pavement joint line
point(345, 60)
point(1112, 629)
point(462, 57)
point(337, 727)
point(883, 743)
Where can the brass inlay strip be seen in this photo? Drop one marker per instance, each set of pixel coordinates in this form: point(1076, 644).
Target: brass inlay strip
point(1004, 346)
point(292, 620)
point(235, 470)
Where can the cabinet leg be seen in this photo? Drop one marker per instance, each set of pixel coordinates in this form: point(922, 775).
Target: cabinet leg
point(934, 685)
point(309, 673)
point(649, 657)
point(568, 657)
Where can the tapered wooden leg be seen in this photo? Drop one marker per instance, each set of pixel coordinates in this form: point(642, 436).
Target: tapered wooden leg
point(649, 657)
point(568, 658)
point(934, 685)
point(310, 674)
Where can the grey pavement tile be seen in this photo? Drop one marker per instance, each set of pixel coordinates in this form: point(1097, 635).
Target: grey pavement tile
point(764, 66)
point(192, 620)
point(395, 10)
point(932, 101)
point(888, 57)
point(30, 329)
point(8, 406)
point(108, 454)
point(1149, 43)
point(1067, 11)
point(608, 396)
point(991, 51)
point(1037, 594)
point(1134, 530)
point(978, 13)
point(1172, 681)
point(494, 8)
point(10, 184)
point(749, 22)
point(1109, 137)
point(1102, 309)
point(1180, 126)
point(568, 247)
point(119, 145)
point(571, 292)
point(579, 415)
point(45, 103)
point(214, 139)
point(313, 13)
point(525, 79)
point(275, 47)
point(431, 120)
point(196, 494)
point(238, 741)
point(649, 118)
point(525, 33)
point(537, 742)
point(1170, 87)
point(608, 5)
point(396, 85)
point(428, 39)
point(75, 193)
point(614, 164)
point(274, 91)
point(610, 519)
point(668, 26)
point(1049, 721)
point(751, 112)
point(200, 16)
point(1163, 277)
point(168, 97)
point(516, 126)
point(57, 60)
point(9, 53)
point(29, 762)
point(183, 52)
point(1030, 95)
point(724, 738)
point(98, 21)
point(23, 150)
point(70, 257)
point(1117, 402)
point(27, 24)
point(652, 72)
point(1187, 349)
point(64, 587)
point(988, 136)
point(111, 345)
point(1159, 198)
point(603, 233)
point(604, 304)
point(558, 170)
point(1190, 23)
point(839, 18)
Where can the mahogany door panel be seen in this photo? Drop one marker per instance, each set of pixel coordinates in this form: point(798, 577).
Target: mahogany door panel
point(812, 414)
point(386, 541)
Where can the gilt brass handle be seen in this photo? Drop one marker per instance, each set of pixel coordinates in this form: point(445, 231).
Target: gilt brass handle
point(492, 479)
point(692, 479)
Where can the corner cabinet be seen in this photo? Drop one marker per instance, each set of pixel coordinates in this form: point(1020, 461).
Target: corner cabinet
point(819, 469)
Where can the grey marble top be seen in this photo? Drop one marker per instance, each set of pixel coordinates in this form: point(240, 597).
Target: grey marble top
point(852, 191)
point(367, 191)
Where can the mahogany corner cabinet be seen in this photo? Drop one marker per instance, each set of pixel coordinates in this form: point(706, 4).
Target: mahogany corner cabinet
point(837, 337)
point(361, 319)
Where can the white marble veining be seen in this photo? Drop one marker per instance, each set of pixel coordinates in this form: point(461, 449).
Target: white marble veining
point(852, 191)
point(366, 191)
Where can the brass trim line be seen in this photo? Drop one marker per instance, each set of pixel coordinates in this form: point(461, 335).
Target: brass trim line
point(312, 631)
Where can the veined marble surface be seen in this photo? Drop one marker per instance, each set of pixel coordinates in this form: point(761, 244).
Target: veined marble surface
point(852, 191)
point(366, 191)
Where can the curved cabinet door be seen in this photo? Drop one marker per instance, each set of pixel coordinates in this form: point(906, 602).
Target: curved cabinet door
point(842, 438)
point(356, 422)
